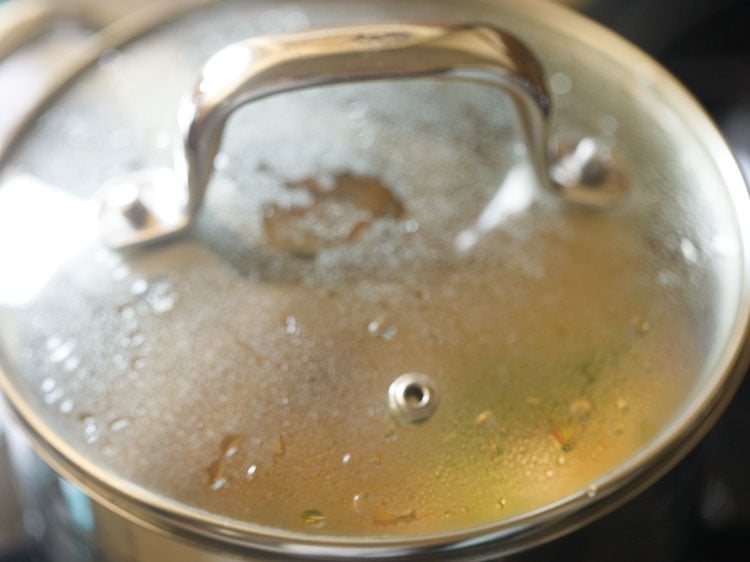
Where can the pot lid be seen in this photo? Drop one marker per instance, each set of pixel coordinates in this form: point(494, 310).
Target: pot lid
point(381, 325)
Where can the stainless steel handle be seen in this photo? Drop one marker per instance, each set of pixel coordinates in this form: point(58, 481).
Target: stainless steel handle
point(135, 211)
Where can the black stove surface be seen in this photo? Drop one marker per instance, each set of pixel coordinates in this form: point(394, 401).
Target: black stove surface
point(699, 512)
point(705, 44)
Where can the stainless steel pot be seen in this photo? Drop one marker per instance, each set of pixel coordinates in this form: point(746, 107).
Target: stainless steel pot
point(418, 319)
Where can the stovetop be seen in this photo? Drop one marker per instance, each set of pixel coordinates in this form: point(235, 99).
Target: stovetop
point(705, 44)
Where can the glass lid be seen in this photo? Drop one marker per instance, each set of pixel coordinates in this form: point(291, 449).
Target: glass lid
point(380, 325)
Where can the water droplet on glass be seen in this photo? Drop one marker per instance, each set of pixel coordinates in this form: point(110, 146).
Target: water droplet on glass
point(229, 447)
point(119, 424)
point(66, 406)
point(91, 430)
point(221, 161)
point(486, 420)
point(380, 329)
point(689, 251)
point(137, 339)
point(291, 325)
point(357, 502)
point(71, 363)
point(501, 503)
point(139, 287)
point(621, 404)
point(346, 458)
point(313, 518)
point(162, 303)
point(62, 352)
point(48, 385)
point(550, 473)
point(580, 410)
point(250, 474)
point(159, 297)
point(561, 84)
point(592, 490)
point(53, 396)
point(411, 226)
point(218, 484)
point(120, 362)
point(137, 363)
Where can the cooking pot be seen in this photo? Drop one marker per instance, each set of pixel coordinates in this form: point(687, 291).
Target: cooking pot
point(425, 280)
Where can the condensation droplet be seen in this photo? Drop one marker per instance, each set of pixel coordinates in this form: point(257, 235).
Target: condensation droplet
point(689, 251)
point(218, 484)
point(62, 352)
point(411, 226)
point(72, 363)
point(91, 430)
point(313, 518)
point(48, 385)
point(137, 363)
point(137, 339)
point(53, 396)
point(380, 329)
point(292, 327)
point(252, 469)
point(592, 490)
point(139, 287)
point(161, 303)
point(119, 424)
point(580, 410)
point(346, 458)
point(66, 406)
point(221, 161)
point(120, 362)
point(561, 84)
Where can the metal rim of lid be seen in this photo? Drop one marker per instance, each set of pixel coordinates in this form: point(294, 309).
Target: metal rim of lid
point(507, 536)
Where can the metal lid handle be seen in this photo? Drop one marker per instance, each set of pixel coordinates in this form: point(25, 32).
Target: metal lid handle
point(142, 208)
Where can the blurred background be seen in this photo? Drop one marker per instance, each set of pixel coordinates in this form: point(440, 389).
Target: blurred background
point(705, 43)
